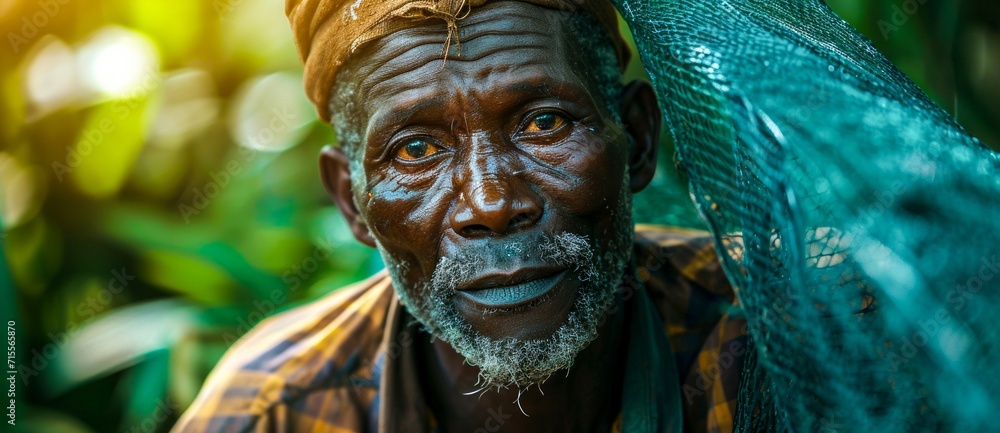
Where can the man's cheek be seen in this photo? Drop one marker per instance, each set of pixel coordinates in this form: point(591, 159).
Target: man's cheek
point(596, 192)
point(410, 288)
point(408, 275)
point(390, 212)
point(402, 223)
point(597, 163)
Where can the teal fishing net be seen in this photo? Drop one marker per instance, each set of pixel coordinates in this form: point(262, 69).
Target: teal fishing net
point(859, 221)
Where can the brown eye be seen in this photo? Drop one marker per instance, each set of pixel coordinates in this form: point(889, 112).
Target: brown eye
point(415, 149)
point(545, 122)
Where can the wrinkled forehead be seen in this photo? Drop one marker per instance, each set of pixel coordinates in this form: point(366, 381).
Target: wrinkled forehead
point(485, 30)
point(519, 41)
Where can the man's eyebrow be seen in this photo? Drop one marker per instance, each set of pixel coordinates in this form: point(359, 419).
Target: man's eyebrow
point(529, 87)
point(396, 115)
point(392, 116)
point(539, 87)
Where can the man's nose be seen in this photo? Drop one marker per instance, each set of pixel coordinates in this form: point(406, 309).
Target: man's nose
point(493, 201)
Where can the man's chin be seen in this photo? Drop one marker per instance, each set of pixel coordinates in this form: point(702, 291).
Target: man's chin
point(535, 318)
point(519, 358)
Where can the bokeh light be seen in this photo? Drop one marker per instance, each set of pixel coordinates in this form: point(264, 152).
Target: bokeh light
point(116, 60)
point(23, 190)
point(269, 112)
point(51, 78)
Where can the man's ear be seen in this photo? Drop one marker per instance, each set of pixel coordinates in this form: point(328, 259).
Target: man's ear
point(641, 117)
point(335, 170)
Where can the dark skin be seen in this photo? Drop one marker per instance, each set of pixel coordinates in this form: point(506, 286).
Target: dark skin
point(509, 140)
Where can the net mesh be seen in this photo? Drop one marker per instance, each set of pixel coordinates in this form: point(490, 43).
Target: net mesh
point(857, 219)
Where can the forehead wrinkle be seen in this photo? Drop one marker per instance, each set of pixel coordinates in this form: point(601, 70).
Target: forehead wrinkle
point(400, 111)
point(509, 34)
point(504, 19)
point(500, 13)
point(428, 75)
point(423, 75)
point(415, 76)
point(533, 79)
point(525, 54)
point(384, 65)
point(398, 63)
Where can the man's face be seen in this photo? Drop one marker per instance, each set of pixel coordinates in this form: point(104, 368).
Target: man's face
point(496, 187)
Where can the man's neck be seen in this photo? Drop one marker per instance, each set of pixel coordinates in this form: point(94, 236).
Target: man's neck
point(587, 398)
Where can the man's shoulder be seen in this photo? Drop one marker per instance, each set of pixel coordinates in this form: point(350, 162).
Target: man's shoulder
point(673, 253)
point(682, 274)
point(344, 322)
point(329, 343)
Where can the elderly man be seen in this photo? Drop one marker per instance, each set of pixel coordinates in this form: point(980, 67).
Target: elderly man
point(489, 151)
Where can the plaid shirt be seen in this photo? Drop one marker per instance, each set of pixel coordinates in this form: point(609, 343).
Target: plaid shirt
point(344, 364)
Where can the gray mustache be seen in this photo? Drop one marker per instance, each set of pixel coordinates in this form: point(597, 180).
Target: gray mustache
point(564, 249)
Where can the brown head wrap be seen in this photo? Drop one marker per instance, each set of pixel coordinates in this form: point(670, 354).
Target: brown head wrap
point(327, 32)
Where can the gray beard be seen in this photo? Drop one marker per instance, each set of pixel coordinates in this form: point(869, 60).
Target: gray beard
point(514, 362)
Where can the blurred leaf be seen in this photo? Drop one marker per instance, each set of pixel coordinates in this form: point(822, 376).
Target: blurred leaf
point(33, 254)
point(274, 249)
point(189, 275)
point(260, 284)
point(253, 39)
point(108, 146)
point(11, 106)
point(193, 357)
point(8, 301)
point(152, 230)
point(146, 389)
point(853, 11)
point(149, 227)
point(47, 421)
point(118, 340)
point(159, 19)
point(23, 188)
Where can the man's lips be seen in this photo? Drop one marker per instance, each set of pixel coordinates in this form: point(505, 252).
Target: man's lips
point(511, 289)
